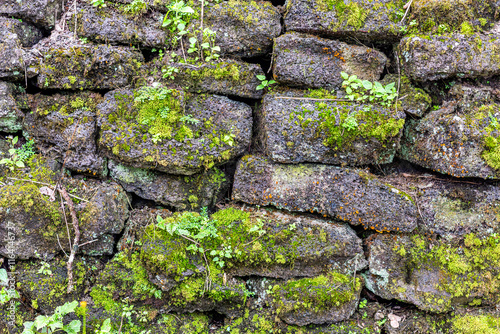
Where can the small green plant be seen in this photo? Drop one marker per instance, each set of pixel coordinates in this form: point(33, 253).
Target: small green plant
point(136, 7)
point(178, 16)
point(98, 3)
point(6, 294)
point(493, 121)
point(264, 83)
point(366, 91)
point(18, 156)
point(84, 40)
point(54, 323)
point(363, 303)
point(45, 269)
point(189, 119)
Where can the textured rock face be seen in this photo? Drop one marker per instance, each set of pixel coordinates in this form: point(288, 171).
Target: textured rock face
point(85, 66)
point(299, 127)
point(135, 133)
point(11, 54)
point(115, 25)
point(36, 221)
point(244, 29)
point(309, 61)
point(27, 33)
point(332, 191)
point(10, 114)
point(434, 276)
point(450, 209)
point(182, 192)
point(227, 77)
point(355, 18)
point(460, 139)
point(450, 56)
point(41, 12)
point(66, 123)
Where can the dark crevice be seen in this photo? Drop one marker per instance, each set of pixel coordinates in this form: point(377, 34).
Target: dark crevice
point(278, 2)
point(140, 203)
point(229, 170)
point(32, 89)
point(263, 61)
point(216, 320)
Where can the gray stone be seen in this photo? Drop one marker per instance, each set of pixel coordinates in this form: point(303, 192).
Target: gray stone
point(450, 56)
point(308, 61)
point(41, 12)
point(244, 29)
point(114, 25)
point(12, 63)
point(10, 114)
point(66, 124)
point(352, 195)
point(460, 139)
point(27, 33)
point(296, 126)
point(181, 192)
point(434, 275)
point(356, 18)
point(84, 66)
point(220, 131)
point(226, 77)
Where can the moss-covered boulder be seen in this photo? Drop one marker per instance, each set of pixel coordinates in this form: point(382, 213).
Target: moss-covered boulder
point(427, 58)
point(435, 275)
point(243, 28)
point(226, 77)
point(364, 20)
point(84, 66)
point(475, 322)
point(328, 298)
point(42, 12)
point(460, 139)
point(192, 323)
point(10, 114)
point(412, 100)
point(31, 214)
point(316, 126)
point(351, 195)
point(45, 284)
point(181, 192)
point(172, 131)
point(450, 209)
point(438, 16)
point(119, 24)
point(66, 123)
point(310, 61)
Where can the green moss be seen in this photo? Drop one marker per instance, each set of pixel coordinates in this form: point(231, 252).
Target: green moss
point(466, 271)
point(315, 294)
point(350, 14)
point(480, 324)
point(220, 71)
point(466, 28)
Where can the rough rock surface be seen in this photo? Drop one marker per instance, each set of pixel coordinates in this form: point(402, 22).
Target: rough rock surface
point(113, 25)
point(226, 77)
point(354, 18)
point(45, 283)
point(220, 132)
point(12, 65)
point(434, 276)
point(327, 298)
point(28, 34)
point(66, 124)
point(332, 191)
point(460, 139)
point(319, 246)
point(181, 192)
point(35, 219)
point(84, 66)
point(299, 127)
point(308, 61)
point(10, 114)
point(413, 101)
point(41, 12)
point(244, 29)
point(450, 56)
point(451, 209)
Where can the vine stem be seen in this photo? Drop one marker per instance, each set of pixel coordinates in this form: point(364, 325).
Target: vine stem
point(76, 240)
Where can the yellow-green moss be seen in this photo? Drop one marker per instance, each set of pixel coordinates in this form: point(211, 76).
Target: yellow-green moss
point(479, 324)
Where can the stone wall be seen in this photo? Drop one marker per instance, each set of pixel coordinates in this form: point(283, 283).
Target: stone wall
point(325, 214)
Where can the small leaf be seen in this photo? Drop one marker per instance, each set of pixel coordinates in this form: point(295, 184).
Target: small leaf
point(187, 9)
point(259, 87)
point(367, 84)
point(344, 75)
point(14, 140)
point(261, 77)
point(73, 327)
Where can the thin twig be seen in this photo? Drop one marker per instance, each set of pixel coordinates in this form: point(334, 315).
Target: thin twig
point(399, 81)
point(61, 246)
point(66, 221)
point(88, 242)
point(201, 21)
point(407, 6)
point(75, 21)
point(76, 240)
point(310, 98)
